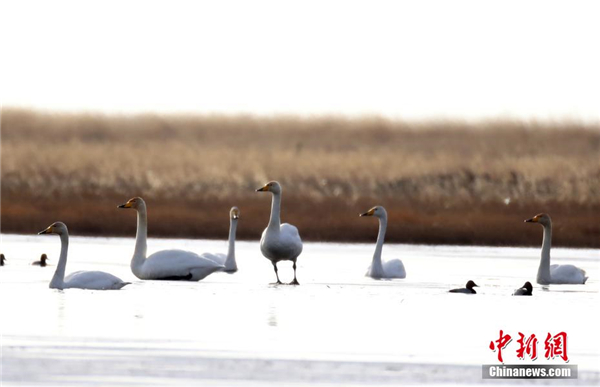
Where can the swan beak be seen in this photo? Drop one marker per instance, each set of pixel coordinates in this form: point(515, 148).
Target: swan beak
point(263, 189)
point(532, 220)
point(46, 231)
point(126, 205)
point(368, 213)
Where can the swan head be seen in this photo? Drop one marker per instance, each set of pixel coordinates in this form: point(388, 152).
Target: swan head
point(271, 186)
point(134, 203)
point(543, 219)
point(377, 211)
point(471, 284)
point(234, 213)
point(58, 228)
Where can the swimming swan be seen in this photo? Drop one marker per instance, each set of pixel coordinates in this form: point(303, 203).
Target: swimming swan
point(165, 264)
point(279, 242)
point(554, 274)
point(97, 280)
point(468, 289)
point(389, 269)
point(525, 290)
point(229, 260)
point(41, 262)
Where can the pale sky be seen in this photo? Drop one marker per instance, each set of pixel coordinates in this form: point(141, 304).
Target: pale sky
point(400, 59)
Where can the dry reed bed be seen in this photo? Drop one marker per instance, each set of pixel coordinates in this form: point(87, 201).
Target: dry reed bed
point(443, 182)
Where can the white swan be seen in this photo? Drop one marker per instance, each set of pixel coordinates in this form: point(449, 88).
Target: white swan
point(389, 269)
point(468, 289)
point(97, 280)
point(525, 290)
point(554, 274)
point(229, 260)
point(279, 242)
point(41, 262)
point(165, 264)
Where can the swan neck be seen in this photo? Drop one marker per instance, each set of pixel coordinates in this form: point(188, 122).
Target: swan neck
point(59, 275)
point(139, 254)
point(543, 276)
point(275, 221)
point(376, 265)
point(230, 261)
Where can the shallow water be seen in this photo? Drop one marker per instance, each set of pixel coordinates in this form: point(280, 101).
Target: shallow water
point(337, 328)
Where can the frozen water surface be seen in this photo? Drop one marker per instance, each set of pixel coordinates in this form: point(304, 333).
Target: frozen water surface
point(336, 328)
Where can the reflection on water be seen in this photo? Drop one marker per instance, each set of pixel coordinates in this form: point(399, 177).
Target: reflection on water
point(272, 317)
point(337, 327)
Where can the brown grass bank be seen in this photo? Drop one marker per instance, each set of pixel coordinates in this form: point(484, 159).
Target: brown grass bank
point(442, 182)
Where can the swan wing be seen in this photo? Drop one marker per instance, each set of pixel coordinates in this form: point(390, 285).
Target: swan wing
point(567, 274)
point(217, 258)
point(284, 245)
point(391, 269)
point(290, 231)
point(394, 269)
point(98, 280)
point(178, 264)
point(290, 236)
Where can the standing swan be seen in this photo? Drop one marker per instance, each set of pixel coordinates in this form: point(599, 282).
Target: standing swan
point(165, 264)
point(97, 280)
point(554, 274)
point(279, 242)
point(378, 269)
point(229, 259)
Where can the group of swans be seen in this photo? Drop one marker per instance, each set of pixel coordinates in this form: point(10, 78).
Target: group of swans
point(162, 265)
point(525, 290)
point(547, 274)
point(166, 264)
point(279, 242)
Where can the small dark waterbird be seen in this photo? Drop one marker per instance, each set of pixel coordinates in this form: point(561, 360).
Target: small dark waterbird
point(41, 262)
point(466, 290)
point(525, 290)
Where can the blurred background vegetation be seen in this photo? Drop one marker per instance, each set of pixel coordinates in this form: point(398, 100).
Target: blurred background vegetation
point(441, 181)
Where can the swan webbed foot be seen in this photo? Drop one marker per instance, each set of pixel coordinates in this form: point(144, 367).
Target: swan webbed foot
point(276, 283)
